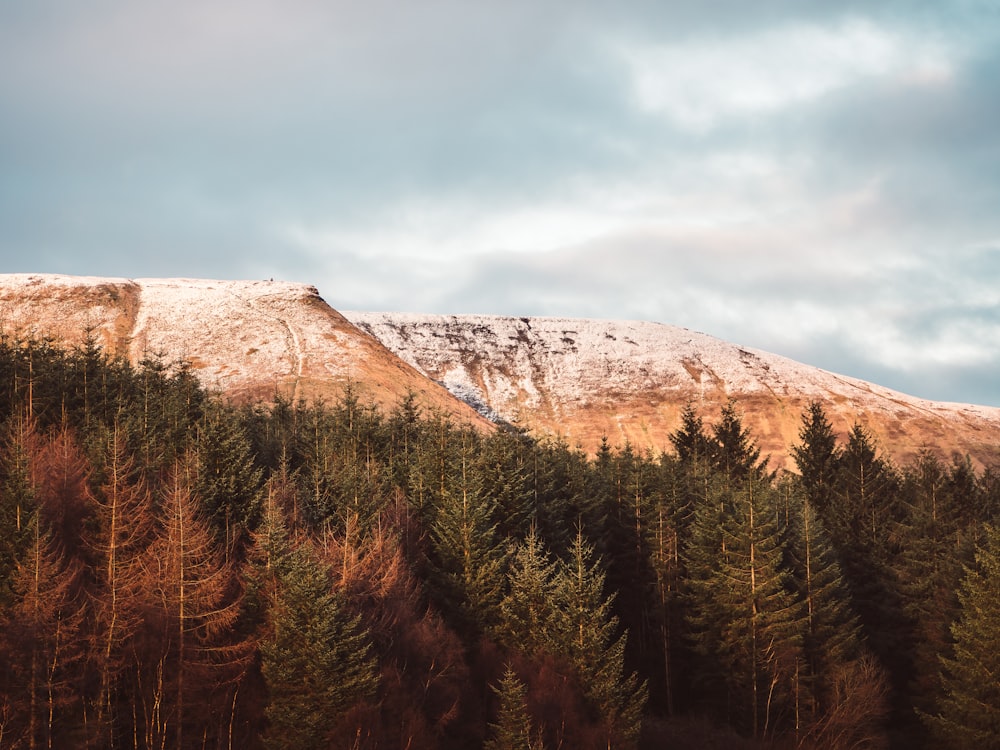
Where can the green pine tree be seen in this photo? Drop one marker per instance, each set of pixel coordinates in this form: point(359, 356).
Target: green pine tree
point(733, 450)
point(512, 729)
point(746, 625)
point(316, 659)
point(689, 440)
point(817, 456)
point(588, 637)
point(832, 630)
point(970, 711)
point(467, 556)
point(229, 482)
point(526, 611)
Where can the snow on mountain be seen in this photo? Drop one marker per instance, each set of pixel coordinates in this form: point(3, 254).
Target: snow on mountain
point(630, 380)
point(247, 339)
point(578, 379)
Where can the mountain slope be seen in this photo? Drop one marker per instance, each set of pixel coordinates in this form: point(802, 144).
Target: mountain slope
point(246, 339)
point(629, 381)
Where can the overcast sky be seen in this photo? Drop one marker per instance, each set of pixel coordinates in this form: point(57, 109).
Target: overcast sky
point(816, 179)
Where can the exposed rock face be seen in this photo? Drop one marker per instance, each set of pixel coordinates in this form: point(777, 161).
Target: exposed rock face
point(246, 339)
point(629, 381)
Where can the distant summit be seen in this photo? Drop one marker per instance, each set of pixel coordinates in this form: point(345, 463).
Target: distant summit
point(580, 380)
point(630, 380)
point(248, 340)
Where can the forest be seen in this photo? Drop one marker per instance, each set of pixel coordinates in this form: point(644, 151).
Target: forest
point(179, 571)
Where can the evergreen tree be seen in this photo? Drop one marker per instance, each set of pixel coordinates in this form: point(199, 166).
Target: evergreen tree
point(733, 450)
point(665, 533)
point(18, 500)
point(862, 522)
point(526, 611)
point(745, 624)
point(817, 456)
point(315, 657)
point(229, 482)
point(689, 440)
point(934, 546)
point(468, 558)
point(502, 470)
point(970, 711)
point(588, 637)
point(832, 634)
point(512, 729)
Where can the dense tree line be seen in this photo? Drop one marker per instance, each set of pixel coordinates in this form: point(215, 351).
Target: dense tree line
point(180, 572)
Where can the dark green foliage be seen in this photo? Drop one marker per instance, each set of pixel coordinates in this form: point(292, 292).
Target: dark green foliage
point(690, 442)
point(817, 457)
point(229, 482)
point(527, 611)
point(832, 632)
point(512, 729)
point(970, 709)
point(17, 499)
point(935, 542)
point(746, 625)
point(733, 451)
point(315, 658)
point(586, 634)
point(467, 555)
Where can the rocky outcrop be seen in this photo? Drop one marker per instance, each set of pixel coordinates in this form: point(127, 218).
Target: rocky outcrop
point(629, 381)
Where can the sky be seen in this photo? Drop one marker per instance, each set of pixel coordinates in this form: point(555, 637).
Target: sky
point(819, 180)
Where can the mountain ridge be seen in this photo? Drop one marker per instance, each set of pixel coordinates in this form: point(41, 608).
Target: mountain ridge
point(547, 373)
point(248, 340)
point(575, 379)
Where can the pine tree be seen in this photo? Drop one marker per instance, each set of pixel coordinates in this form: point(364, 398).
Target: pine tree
point(665, 533)
point(733, 450)
point(189, 647)
point(502, 470)
point(840, 687)
point(468, 559)
point(41, 641)
point(587, 636)
point(745, 624)
point(512, 729)
point(526, 611)
point(689, 440)
point(315, 660)
point(229, 482)
point(934, 546)
point(970, 711)
point(817, 456)
point(862, 521)
point(18, 500)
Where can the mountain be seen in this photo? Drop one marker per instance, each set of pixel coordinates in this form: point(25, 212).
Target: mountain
point(577, 379)
point(629, 381)
point(246, 339)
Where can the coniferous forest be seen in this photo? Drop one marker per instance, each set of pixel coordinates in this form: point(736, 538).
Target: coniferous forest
point(180, 572)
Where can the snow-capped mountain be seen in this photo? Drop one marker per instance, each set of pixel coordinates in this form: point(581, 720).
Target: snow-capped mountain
point(578, 379)
point(584, 379)
point(246, 339)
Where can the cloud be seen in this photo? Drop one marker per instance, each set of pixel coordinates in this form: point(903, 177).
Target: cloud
point(815, 179)
point(699, 82)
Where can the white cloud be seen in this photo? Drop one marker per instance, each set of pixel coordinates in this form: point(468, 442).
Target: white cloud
point(697, 83)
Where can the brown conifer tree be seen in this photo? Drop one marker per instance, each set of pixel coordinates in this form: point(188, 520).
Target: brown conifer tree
point(189, 656)
point(123, 528)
